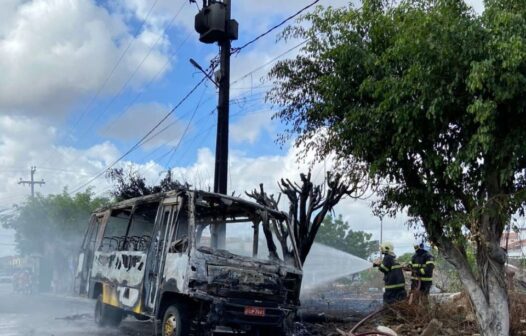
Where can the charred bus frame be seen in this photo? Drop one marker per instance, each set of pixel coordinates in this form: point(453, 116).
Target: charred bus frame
point(161, 257)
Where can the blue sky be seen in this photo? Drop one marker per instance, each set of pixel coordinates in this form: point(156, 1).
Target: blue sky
point(83, 80)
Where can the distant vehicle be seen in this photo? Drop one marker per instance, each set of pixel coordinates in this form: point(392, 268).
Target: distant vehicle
point(6, 278)
point(23, 281)
point(194, 261)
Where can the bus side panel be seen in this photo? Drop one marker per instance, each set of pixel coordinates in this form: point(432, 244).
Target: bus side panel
point(175, 272)
point(122, 274)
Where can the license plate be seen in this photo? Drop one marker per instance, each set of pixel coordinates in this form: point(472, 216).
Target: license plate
point(255, 311)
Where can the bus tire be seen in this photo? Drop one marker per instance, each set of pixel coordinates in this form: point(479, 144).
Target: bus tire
point(106, 315)
point(176, 321)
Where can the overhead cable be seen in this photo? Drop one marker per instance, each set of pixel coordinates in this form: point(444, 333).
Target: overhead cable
point(141, 141)
point(130, 78)
point(119, 60)
point(238, 49)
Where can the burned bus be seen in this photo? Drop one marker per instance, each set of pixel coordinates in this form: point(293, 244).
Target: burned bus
point(193, 262)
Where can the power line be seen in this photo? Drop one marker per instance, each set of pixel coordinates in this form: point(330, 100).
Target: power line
point(238, 49)
point(240, 99)
point(176, 147)
point(134, 147)
point(144, 158)
point(88, 107)
point(130, 78)
point(233, 100)
point(153, 79)
point(206, 116)
point(11, 199)
point(199, 135)
point(270, 61)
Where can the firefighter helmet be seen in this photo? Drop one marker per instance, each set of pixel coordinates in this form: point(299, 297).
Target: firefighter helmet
point(387, 247)
point(418, 246)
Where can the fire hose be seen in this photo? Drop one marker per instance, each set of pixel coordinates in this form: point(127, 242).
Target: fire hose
point(365, 319)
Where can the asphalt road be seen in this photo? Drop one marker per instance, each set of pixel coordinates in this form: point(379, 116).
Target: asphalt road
point(51, 315)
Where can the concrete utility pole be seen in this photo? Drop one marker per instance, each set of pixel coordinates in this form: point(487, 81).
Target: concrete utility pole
point(223, 112)
point(381, 231)
point(214, 24)
point(32, 182)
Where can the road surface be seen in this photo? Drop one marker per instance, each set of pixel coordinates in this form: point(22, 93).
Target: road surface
point(51, 315)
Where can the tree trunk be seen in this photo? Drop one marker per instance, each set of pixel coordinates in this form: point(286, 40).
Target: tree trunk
point(490, 306)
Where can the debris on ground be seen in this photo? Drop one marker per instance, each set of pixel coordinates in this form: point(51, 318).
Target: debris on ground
point(453, 317)
point(75, 317)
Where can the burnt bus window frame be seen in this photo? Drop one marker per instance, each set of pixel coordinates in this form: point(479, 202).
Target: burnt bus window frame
point(123, 243)
point(115, 243)
point(238, 211)
point(180, 215)
point(142, 243)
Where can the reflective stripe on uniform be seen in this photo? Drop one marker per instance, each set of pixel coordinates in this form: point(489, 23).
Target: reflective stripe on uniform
point(430, 262)
point(395, 286)
point(421, 279)
point(384, 268)
point(396, 267)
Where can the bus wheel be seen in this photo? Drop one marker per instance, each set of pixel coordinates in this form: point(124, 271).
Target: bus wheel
point(106, 315)
point(175, 321)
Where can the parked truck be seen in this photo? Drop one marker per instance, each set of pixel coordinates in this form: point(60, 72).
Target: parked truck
point(194, 262)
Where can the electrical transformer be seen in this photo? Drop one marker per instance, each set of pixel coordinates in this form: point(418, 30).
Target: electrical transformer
point(212, 25)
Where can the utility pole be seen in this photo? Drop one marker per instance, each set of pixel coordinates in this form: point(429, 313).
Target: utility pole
point(214, 24)
point(381, 231)
point(223, 112)
point(32, 182)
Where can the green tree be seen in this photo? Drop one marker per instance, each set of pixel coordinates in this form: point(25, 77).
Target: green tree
point(53, 226)
point(429, 98)
point(405, 258)
point(336, 233)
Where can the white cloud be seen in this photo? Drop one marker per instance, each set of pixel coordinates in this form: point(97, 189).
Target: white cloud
point(249, 128)
point(62, 165)
point(246, 173)
point(25, 142)
point(141, 117)
point(53, 52)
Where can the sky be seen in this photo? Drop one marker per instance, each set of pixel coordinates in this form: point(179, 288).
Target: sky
point(83, 80)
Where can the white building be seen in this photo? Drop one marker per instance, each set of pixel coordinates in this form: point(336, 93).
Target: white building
point(515, 243)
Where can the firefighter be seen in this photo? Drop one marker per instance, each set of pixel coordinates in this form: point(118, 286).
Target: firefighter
point(393, 275)
point(422, 265)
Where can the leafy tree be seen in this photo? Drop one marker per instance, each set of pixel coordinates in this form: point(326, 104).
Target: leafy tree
point(405, 258)
point(429, 98)
point(52, 226)
point(336, 233)
point(129, 184)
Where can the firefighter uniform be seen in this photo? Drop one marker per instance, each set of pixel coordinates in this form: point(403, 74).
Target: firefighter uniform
point(393, 275)
point(422, 265)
